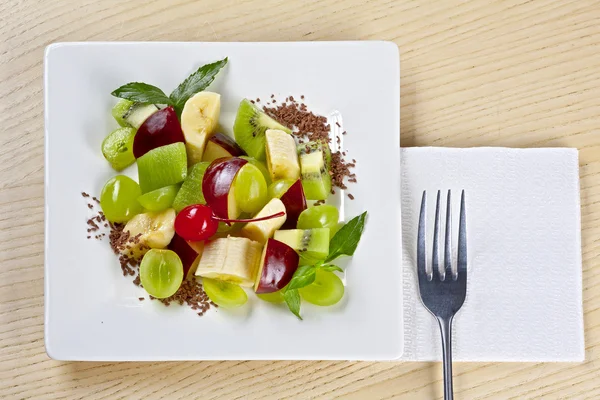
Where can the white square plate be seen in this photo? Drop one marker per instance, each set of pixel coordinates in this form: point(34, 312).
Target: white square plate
point(93, 313)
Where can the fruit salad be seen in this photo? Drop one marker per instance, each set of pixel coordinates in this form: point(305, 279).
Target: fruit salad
point(239, 214)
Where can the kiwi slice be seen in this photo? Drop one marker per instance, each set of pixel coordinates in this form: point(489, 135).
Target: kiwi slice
point(117, 148)
point(191, 190)
point(315, 163)
point(163, 166)
point(129, 113)
point(249, 129)
point(311, 244)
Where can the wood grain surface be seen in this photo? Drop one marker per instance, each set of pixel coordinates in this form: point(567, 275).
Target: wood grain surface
point(501, 73)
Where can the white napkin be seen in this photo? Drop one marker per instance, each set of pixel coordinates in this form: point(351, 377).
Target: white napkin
point(524, 296)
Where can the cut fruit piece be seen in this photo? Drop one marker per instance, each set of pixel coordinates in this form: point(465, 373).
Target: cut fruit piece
point(119, 199)
point(232, 259)
point(163, 166)
point(249, 129)
point(117, 148)
point(260, 231)
point(159, 199)
point(224, 294)
point(315, 163)
point(159, 129)
point(161, 273)
point(250, 189)
point(311, 244)
point(218, 189)
point(198, 246)
point(261, 166)
point(199, 119)
point(128, 113)
point(295, 203)
point(155, 230)
point(278, 264)
point(326, 290)
point(275, 297)
point(189, 257)
point(191, 189)
point(323, 216)
point(282, 157)
point(221, 146)
point(278, 188)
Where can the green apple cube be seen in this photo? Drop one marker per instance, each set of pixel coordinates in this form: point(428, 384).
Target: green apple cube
point(159, 199)
point(117, 148)
point(163, 166)
point(191, 190)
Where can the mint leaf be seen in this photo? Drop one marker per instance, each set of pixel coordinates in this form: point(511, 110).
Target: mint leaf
point(344, 242)
point(304, 276)
point(292, 299)
point(331, 268)
point(196, 82)
point(142, 93)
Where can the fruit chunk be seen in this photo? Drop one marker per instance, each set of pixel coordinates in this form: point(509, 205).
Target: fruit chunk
point(218, 189)
point(232, 259)
point(315, 162)
point(161, 273)
point(250, 189)
point(326, 290)
point(323, 216)
point(159, 199)
point(188, 256)
point(292, 195)
point(282, 157)
point(159, 129)
point(224, 294)
point(155, 230)
point(275, 297)
point(199, 119)
point(119, 199)
point(117, 148)
point(191, 189)
point(261, 166)
point(221, 146)
point(311, 244)
point(249, 129)
point(260, 231)
point(128, 113)
point(162, 167)
point(278, 264)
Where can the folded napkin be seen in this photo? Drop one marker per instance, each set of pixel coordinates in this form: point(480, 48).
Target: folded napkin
point(524, 296)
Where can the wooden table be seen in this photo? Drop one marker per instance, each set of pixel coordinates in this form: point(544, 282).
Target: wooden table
point(496, 73)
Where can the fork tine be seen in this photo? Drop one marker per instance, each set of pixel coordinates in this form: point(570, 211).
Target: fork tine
point(448, 239)
point(421, 244)
point(435, 257)
point(462, 239)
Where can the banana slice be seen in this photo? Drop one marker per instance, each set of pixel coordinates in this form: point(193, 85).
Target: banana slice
point(199, 119)
point(156, 229)
point(282, 157)
point(260, 231)
point(233, 259)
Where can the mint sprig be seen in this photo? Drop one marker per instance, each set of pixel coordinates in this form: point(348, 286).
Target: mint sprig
point(142, 93)
point(145, 93)
point(343, 243)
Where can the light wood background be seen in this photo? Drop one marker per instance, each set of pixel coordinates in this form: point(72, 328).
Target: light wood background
point(501, 73)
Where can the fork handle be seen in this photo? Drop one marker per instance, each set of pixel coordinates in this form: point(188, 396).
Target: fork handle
point(446, 331)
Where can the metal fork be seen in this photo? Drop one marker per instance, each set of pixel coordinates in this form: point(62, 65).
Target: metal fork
point(443, 290)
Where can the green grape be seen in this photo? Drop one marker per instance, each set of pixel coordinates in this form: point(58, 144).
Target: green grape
point(261, 166)
point(278, 188)
point(159, 199)
point(119, 199)
point(323, 216)
point(275, 297)
point(161, 272)
point(224, 294)
point(326, 290)
point(250, 189)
